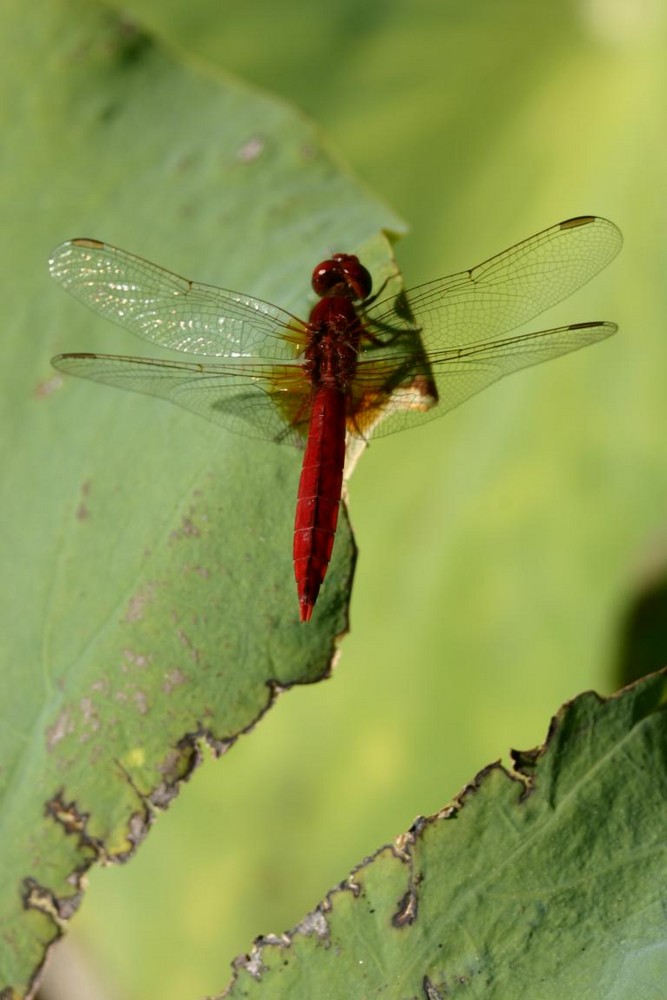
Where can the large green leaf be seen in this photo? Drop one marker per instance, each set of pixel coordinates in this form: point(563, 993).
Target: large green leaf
point(149, 598)
point(546, 880)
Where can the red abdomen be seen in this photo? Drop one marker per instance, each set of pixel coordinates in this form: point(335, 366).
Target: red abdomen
point(319, 495)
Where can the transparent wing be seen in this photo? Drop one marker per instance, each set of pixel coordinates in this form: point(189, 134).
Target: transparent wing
point(271, 402)
point(440, 343)
point(431, 389)
point(444, 340)
point(171, 311)
point(506, 291)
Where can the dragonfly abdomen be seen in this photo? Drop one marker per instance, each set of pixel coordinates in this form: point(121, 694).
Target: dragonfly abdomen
point(319, 494)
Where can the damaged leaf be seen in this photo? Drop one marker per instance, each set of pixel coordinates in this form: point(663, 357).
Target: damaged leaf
point(545, 880)
point(149, 593)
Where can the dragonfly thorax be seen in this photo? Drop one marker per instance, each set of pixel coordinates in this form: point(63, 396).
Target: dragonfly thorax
point(334, 332)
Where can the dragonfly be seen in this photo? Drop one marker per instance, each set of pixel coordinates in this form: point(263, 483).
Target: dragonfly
point(360, 365)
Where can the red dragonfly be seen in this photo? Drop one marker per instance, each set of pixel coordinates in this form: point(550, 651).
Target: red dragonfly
point(356, 366)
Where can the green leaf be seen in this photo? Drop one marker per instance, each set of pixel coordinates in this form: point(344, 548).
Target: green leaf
point(150, 602)
point(546, 880)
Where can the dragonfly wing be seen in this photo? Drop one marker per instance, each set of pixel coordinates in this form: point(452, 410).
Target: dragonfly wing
point(448, 380)
point(504, 292)
point(171, 311)
point(444, 341)
point(261, 401)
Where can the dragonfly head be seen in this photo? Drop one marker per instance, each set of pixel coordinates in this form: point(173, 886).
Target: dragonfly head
point(342, 275)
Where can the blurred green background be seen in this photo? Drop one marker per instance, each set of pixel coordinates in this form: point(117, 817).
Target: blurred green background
point(499, 548)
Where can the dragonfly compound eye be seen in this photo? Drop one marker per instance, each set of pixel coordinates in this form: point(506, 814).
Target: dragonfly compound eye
point(357, 277)
point(342, 275)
